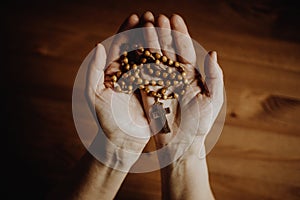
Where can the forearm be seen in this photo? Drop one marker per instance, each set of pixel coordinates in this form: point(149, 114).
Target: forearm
point(90, 180)
point(187, 178)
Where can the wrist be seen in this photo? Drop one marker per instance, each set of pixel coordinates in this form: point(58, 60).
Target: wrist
point(117, 153)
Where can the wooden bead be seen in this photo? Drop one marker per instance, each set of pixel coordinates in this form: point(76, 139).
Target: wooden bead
point(125, 60)
point(153, 93)
point(119, 73)
point(157, 56)
point(139, 81)
point(175, 95)
point(172, 76)
point(127, 67)
point(118, 88)
point(185, 81)
point(169, 70)
point(147, 53)
point(165, 75)
point(144, 60)
point(136, 74)
point(160, 82)
point(147, 90)
point(150, 71)
point(168, 83)
point(132, 79)
point(134, 67)
point(141, 49)
point(179, 77)
point(164, 59)
point(157, 73)
point(146, 82)
point(114, 78)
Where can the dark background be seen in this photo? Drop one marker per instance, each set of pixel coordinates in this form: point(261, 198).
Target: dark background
point(44, 42)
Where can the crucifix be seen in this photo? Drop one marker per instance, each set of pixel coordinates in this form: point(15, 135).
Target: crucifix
point(158, 115)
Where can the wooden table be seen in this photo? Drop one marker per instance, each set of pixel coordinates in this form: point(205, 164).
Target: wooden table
point(258, 153)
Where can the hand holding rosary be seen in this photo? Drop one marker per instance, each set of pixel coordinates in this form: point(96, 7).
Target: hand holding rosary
point(158, 76)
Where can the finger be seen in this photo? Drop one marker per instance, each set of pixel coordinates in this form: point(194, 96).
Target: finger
point(151, 38)
point(214, 80)
point(165, 37)
point(95, 72)
point(147, 17)
point(183, 42)
point(131, 22)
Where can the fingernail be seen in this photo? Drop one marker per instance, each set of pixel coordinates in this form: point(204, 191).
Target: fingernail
point(213, 55)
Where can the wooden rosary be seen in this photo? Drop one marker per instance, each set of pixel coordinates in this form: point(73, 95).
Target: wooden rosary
point(158, 76)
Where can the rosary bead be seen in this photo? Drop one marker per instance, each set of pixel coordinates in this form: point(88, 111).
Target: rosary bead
point(127, 67)
point(125, 60)
point(165, 75)
point(185, 81)
point(168, 83)
point(153, 82)
point(157, 73)
point(139, 81)
point(141, 87)
point(176, 64)
point(144, 60)
point(179, 77)
point(147, 90)
point(175, 95)
point(153, 93)
point(150, 71)
point(164, 59)
point(141, 49)
point(130, 87)
point(160, 82)
point(122, 83)
point(134, 67)
point(175, 82)
point(157, 56)
point(118, 88)
point(132, 79)
point(182, 92)
point(119, 73)
point(170, 70)
point(163, 90)
point(183, 74)
point(146, 82)
point(147, 53)
point(165, 97)
point(170, 62)
point(114, 78)
point(125, 75)
point(157, 62)
point(172, 76)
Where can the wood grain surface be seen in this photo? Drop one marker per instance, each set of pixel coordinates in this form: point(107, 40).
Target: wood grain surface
point(258, 45)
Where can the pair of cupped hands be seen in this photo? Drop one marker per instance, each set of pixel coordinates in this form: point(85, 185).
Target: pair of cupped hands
point(124, 118)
